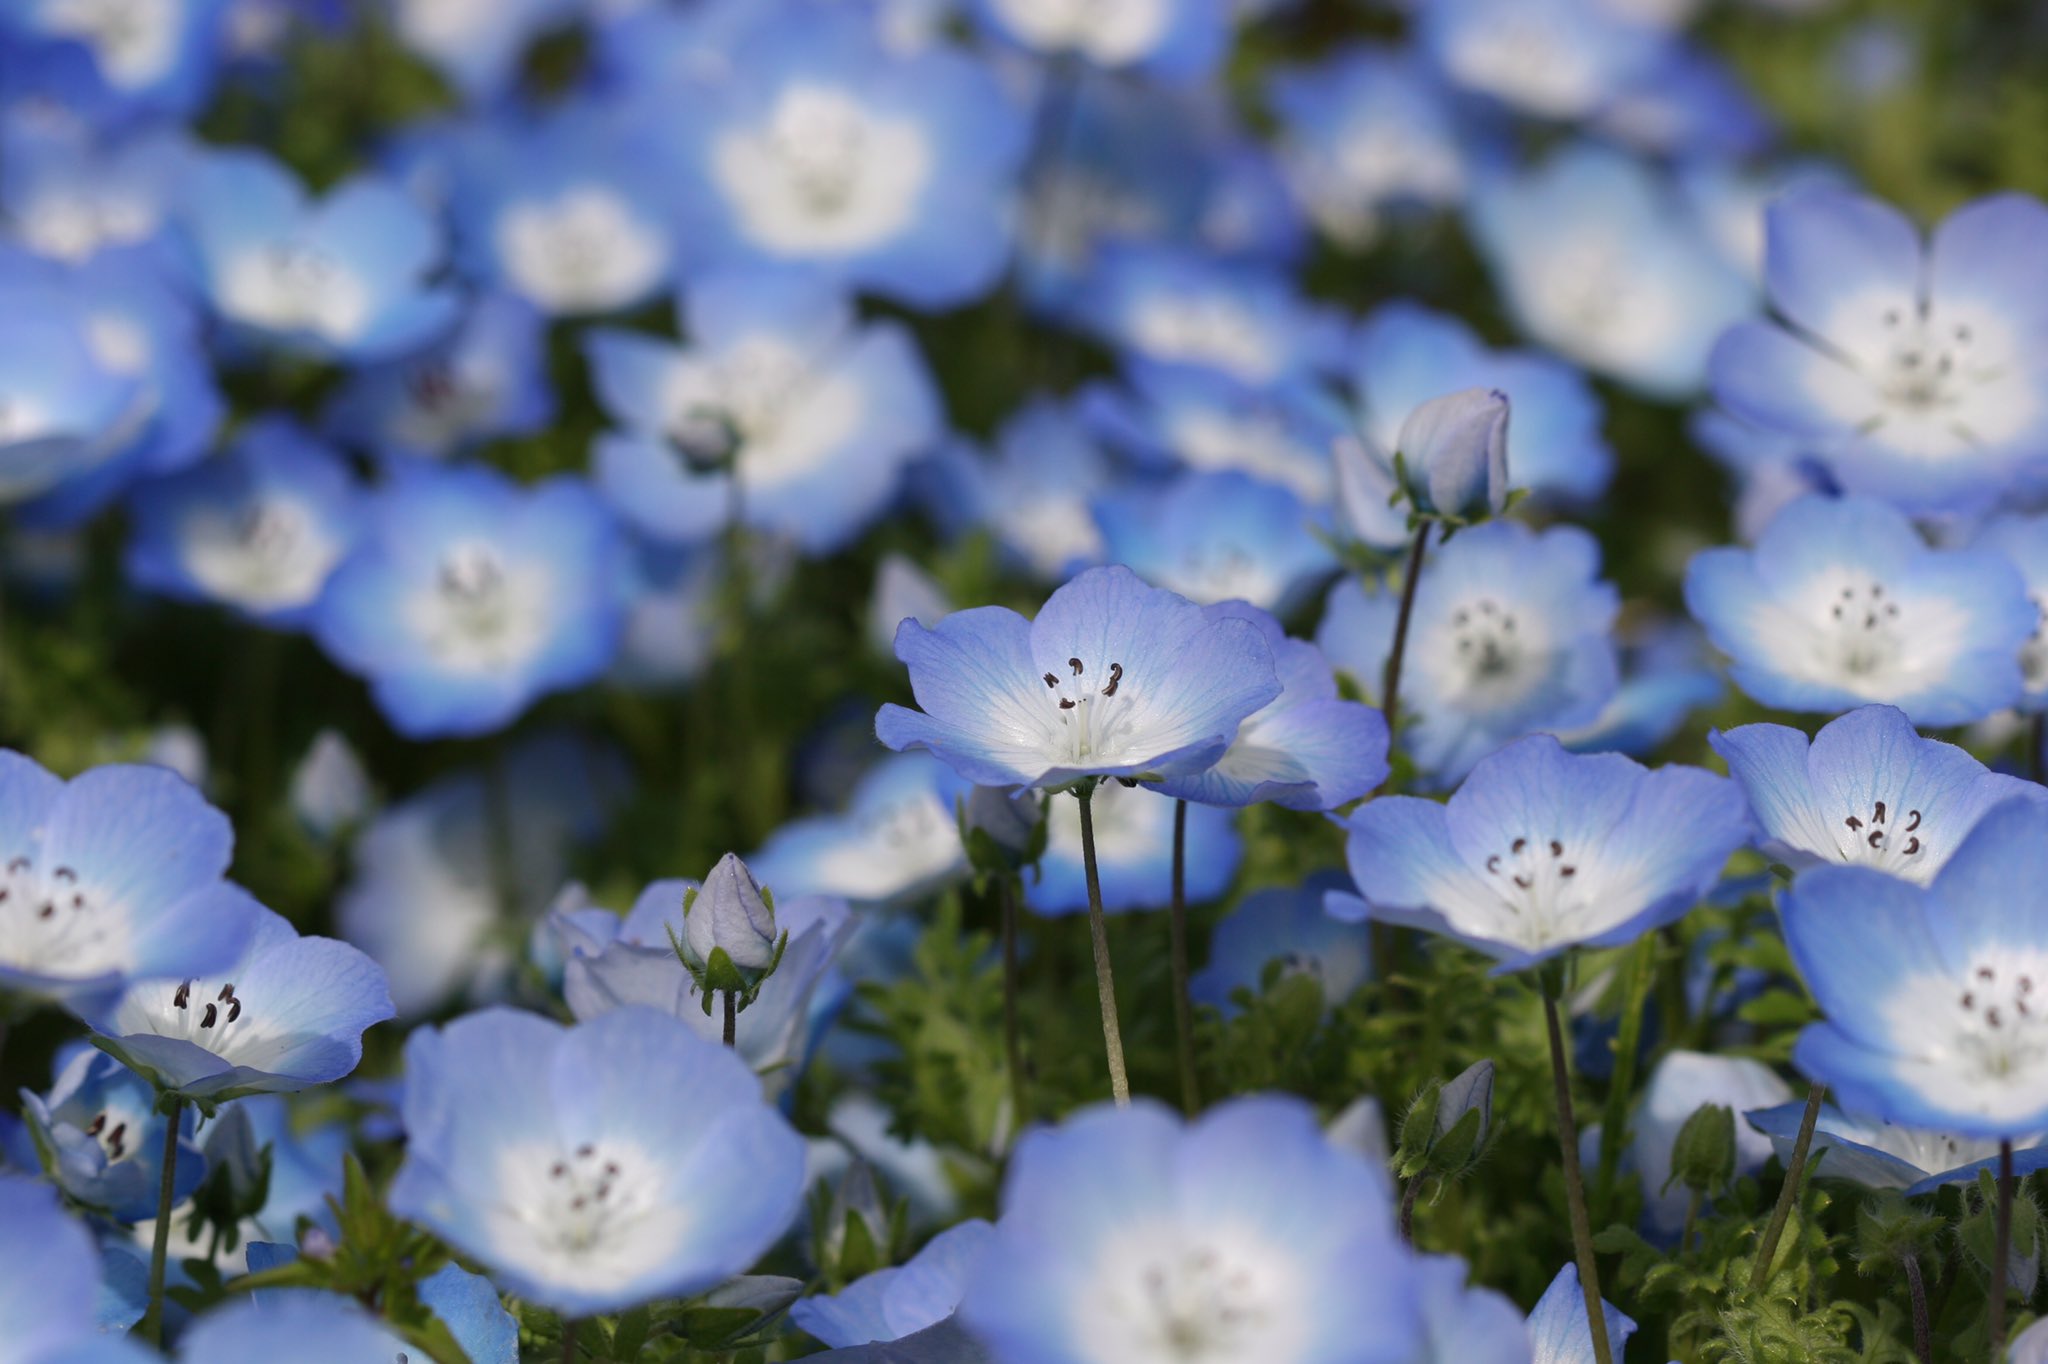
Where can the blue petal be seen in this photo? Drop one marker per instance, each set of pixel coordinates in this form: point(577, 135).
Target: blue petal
point(1993, 254)
point(1559, 1332)
point(1856, 934)
point(469, 1307)
point(1834, 262)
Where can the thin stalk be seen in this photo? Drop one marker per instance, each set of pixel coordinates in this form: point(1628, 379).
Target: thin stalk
point(1098, 934)
point(1183, 1005)
point(1408, 1193)
point(1390, 684)
point(1575, 1186)
point(732, 1018)
point(160, 1252)
point(1013, 1046)
point(1760, 1272)
point(1923, 1337)
point(2037, 748)
point(756, 816)
point(1692, 1217)
point(1635, 996)
point(569, 1329)
point(2001, 1252)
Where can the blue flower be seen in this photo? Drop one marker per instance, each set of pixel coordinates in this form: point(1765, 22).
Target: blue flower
point(1558, 1330)
point(1869, 792)
point(259, 529)
point(898, 840)
point(677, 606)
point(301, 1325)
point(1914, 373)
point(1284, 924)
point(1666, 675)
point(466, 1302)
point(1509, 635)
point(1688, 104)
point(1113, 678)
point(902, 1300)
point(1841, 602)
point(65, 408)
point(70, 196)
point(487, 379)
point(1034, 495)
point(1931, 993)
point(1406, 355)
point(112, 877)
point(2023, 541)
point(891, 171)
point(594, 1168)
point(478, 48)
point(1246, 323)
point(1599, 260)
point(1681, 1084)
point(306, 1164)
point(1555, 59)
point(1463, 1324)
point(618, 964)
point(1169, 417)
point(49, 1279)
point(1542, 850)
point(1180, 40)
point(1309, 749)
point(468, 597)
point(1216, 537)
point(289, 1012)
point(1366, 133)
point(150, 59)
point(1243, 1235)
point(97, 1133)
point(1134, 853)
point(1878, 1154)
point(564, 211)
point(781, 388)
point(344, 278)
point(903, 591)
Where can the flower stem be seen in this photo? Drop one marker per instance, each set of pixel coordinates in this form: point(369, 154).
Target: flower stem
point(1575, 1186)
point(2037, 749)
point(1642, 967)
point(1390, 684)
point(1692, 1218)
point(1183, 1006)
point(754, 803)
point(1098, 934)
point(160, 1253)
point(1923, 1339)
point(1767, 1250)
point(2001, 1252)
point(569, 1328)
point(1408, 1193)
point(732, 1018)
point(1013, 1046)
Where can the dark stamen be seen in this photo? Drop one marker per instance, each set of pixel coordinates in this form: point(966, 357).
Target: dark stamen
point(1051, 681)
point(206, 1019)
point(1065, 704)
point(1075, 664)
point(1912, 820)
point(183, 999)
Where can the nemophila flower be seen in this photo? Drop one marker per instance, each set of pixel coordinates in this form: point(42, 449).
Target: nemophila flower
point(1168, 417)
point(729, 914)
point(259, 528)
point(1931, 993)
point(287, 1013)
point(1542, 850)
point(564, 211)
point(345, 277)
point(466, 597)
point(1558, 1332)
point(97, 1134)
point(1284, 925)
point(330, 789)
point(1366, 133)
point(1841, 602)
point(1242, 1235)
point(487, 379)
point(1216, 537)
point(446, 884)
point(597, 1167)
point(618, 964)
point(890, 171)
point(781, 388)
point(2023, 541)
point(65, 408)
point(1689, 104)
point(1169, 39)
point(1913, 372)
point(1869, 791)
point(111, 877)
point(902, 1300)
point(296, 1324)
point(1682, 1083)
point(903, 591)
point(1461, 1322)
point(1599, 260)
point(49, 1278)
point(1556, 59)
point(1113, 678)
point(305, 1167)
point(1877, 1154)
point(1449, 462)
point(676, 606)
point(476, 48)
point(1033, 493)
point(1309, 749)
point(898, 838)
point(1509, 635)
point(1407, 355)
point(1666, 674)
point(1133, 851)
point(141, 59)
point(70, 195)
point(1169, 305)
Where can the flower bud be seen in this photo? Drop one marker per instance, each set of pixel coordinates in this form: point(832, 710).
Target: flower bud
point(1703, 1157)
point(1470, 1091)
point(1447, 1127)
point(1453, 454)
point(731, 914)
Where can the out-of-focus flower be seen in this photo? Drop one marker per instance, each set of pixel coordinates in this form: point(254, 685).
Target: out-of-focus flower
point(477, 47)
point(1555, 59)
point(1168, 417)
point(1683, 1082)
point(903, 591)
point(1134, 853)
point(892, 1303)
point(1169, 39)
point(1033, 494)
point(898, 839)
point(1559, 1332)
point(330, 790)
point(2023, 540)
point(157, 58)
point(1286, 925)
point(51, 1275)
point(1878, 1154)
point(1215, 537)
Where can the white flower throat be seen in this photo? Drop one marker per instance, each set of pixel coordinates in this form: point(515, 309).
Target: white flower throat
point(295, 286)
point(1888, 838)
point(1928, 367)
point(1537, 880)
point(819, 137)
point(586, 1198)
point(1089, 723)
point(57, 922)
point(2003, 1018)
point(1863, 633)
point(213, 1019)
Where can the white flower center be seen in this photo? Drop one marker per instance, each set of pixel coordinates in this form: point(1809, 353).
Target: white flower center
point(1109, 31)
point(1537, 879)
point(1888, 838)
point(1087, 722)
point(56, 922)
point(217, 1019)
point(1161, 1296)
point(823, 172)
point(269, 553)
point(482, 613)
point(134, 41)
point(583, 251)
point(1205, 329)
point(109, 1127)
point(1927, 366)
point(2002, 1027)
point(290, 286)
point(585, 1196)
point(1863, 635)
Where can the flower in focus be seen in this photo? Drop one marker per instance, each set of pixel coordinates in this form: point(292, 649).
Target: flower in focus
point(1558, 1330)
point(98, 1135)
point(730, 914)
point(1875, 1153)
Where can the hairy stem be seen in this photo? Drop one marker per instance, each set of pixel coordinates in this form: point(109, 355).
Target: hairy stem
point(1390, 684)
point(1575, 1186)
point(1795, 1169)
point(152, 1329)
point(1408, 1193)
point(1923, 1338)
point(2001, 1252)
point(1098, 934)
point(1183, 1006)
point(732, 1018)
point(1013, 1046)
